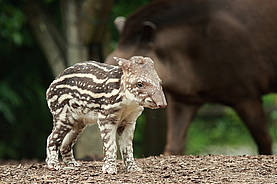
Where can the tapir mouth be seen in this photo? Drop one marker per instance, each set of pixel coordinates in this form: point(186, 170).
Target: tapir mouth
point(155, 105)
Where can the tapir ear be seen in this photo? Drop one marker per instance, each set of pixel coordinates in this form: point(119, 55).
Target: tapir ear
point(148, 32)
point(137, 59)
point(123, 63)
point(119, 23)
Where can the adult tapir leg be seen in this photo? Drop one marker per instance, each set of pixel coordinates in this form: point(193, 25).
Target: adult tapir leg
point(179, 117)
point(251, 112)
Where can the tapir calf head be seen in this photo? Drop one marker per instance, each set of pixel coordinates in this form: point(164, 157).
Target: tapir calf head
point(141, 82)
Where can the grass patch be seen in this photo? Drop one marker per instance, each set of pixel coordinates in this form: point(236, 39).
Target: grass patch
point(227, 130)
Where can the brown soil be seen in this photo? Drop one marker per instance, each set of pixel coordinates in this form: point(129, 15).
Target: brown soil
point(163, 169)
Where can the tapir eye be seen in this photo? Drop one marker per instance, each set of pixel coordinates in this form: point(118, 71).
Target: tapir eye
point(139, 85)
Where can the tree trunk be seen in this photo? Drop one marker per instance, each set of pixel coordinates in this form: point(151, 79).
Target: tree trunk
point(94, 19)
point(50, 40)
point(77, 50)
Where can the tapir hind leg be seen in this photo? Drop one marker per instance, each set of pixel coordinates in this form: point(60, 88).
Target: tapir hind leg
point(251, 112)
point(179, 117)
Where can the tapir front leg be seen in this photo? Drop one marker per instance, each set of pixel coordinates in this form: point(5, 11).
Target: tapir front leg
point(179, 117)
point(107, 129)
point(125, 141)
point(125, 133)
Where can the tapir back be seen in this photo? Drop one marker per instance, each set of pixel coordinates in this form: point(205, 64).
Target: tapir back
point(88, 84)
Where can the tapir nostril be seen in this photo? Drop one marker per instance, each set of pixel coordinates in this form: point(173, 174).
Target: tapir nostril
point(162, 106)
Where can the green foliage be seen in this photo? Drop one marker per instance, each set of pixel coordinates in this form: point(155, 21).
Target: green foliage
point(24, 77)
point(12, 21)
point(9, 100)
point(49, 1)
point(122, 8)
point(226, 131)
point(126, 7)
point(24, 114)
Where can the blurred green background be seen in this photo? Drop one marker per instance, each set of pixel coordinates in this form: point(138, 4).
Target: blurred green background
point(25, 120)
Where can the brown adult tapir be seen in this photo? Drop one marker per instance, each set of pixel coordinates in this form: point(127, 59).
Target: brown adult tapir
point(208, 51)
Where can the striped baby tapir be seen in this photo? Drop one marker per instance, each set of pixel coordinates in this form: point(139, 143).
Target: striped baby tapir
point(112, 97)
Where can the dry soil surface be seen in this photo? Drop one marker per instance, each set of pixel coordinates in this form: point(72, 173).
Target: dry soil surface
point(162, 169)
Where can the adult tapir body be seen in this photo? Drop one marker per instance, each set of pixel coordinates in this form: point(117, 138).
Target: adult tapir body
point(215, 51)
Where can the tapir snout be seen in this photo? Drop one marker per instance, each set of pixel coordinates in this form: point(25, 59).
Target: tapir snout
point(159, 99)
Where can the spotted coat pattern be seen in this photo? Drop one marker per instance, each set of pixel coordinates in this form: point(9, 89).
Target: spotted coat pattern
point(111, 96)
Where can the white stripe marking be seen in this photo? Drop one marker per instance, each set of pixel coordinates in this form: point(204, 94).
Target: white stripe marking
point(91, 76)
point(87, 92)
point(111, 106)
point(98, 65)
point(58, 111)
point(62, 116)
point(64, 97)
point(51, 100)
point(112, 80)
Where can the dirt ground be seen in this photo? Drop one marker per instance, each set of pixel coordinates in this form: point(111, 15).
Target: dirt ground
point(162, 169)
